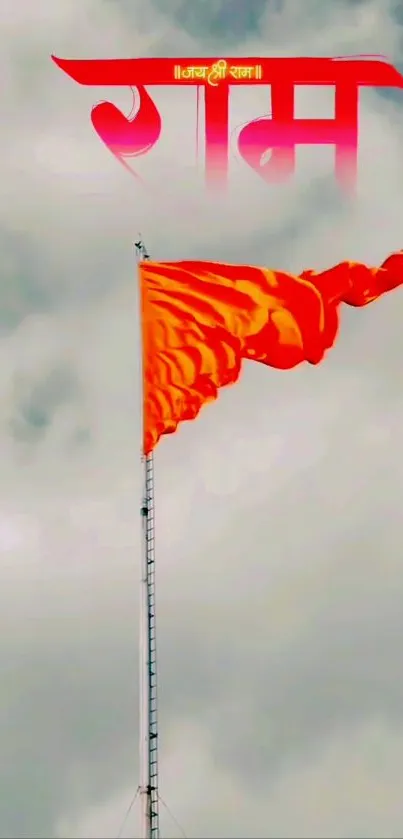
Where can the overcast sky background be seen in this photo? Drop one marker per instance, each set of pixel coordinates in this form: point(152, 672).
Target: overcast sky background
point(280, 563)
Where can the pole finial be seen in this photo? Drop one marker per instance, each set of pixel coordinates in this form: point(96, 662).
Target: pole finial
point(141, 249)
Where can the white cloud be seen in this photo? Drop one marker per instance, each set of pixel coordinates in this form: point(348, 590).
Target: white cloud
point(350, 786)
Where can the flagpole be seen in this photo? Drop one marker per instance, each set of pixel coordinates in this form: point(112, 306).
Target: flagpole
point(148, 787)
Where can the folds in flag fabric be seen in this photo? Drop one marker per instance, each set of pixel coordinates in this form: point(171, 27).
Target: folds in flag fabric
point(201, 319)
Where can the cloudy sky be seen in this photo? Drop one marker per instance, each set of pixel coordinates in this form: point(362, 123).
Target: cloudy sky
point(280, 564)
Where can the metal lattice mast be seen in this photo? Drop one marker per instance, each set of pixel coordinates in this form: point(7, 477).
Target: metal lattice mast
point(148, 651)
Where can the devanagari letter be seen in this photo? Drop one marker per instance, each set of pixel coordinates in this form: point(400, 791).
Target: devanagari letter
point(218, 72)
point(200, 72)
point(282, 132)
point(246, 72)
point(188, 72)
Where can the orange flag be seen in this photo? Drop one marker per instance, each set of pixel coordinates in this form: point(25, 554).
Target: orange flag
point(200, 319)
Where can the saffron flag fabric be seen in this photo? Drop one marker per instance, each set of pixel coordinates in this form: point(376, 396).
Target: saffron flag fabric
point(201, 319)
